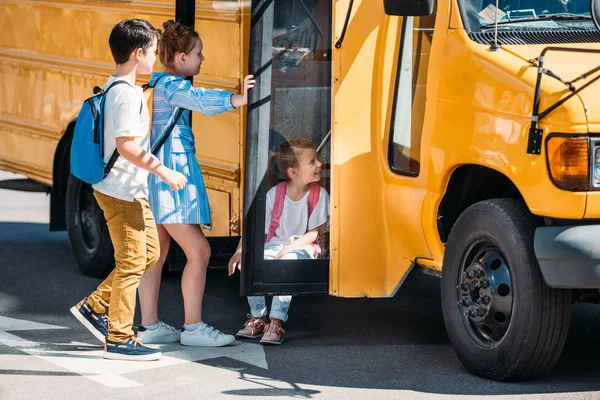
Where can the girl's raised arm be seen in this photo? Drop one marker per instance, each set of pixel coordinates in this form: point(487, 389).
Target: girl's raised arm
point(181, 93)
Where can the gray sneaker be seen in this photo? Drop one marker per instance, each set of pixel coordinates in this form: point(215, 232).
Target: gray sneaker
point(206, 336)
point(165, 333)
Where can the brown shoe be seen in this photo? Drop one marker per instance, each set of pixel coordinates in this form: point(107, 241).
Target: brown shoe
point(253, 328)
point(274, 333)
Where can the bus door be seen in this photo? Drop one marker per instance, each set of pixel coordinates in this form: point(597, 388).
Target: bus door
point(290, 56)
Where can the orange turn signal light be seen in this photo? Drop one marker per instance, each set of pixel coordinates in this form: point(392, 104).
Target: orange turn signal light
point(568, 162)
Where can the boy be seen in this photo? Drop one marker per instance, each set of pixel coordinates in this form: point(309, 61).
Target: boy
point(123, 195)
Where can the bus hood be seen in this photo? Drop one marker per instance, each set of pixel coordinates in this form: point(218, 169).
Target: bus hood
point(568, 66)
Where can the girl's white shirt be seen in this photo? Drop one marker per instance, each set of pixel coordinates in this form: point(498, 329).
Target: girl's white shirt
point(294, 221)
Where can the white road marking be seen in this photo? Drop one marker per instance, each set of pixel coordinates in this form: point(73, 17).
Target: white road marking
point(81, 362)
point(13, 324)
point(89, 363)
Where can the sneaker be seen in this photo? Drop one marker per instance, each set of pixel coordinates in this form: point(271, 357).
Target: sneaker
point(274, 334)
point(165, 333)
point(131, 350)
point(97, 324)
point(254, 327)
point(205, 335)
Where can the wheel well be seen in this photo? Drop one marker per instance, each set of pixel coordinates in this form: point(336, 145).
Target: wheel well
point(60, 175)
point(468, 185)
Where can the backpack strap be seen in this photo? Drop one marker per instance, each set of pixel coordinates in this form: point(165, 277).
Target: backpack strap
point(149, 86)
point(313, 197)
point(148, 96)
point(115, 154)
point(165, 136)
point(99, 90)
point(170, 128)
point(111, 162)
point(277, 209)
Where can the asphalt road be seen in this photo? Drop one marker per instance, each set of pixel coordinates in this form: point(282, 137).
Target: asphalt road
point(336, 348)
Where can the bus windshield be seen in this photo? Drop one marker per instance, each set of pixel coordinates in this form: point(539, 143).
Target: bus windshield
point(527, 15)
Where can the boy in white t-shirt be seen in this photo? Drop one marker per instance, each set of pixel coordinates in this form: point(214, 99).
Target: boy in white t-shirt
point(123, 195)
point(304, 208)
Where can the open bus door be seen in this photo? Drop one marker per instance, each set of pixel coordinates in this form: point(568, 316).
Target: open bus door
point(290, 56)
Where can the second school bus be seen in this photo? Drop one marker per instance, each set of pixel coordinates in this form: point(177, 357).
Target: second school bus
point(457, 139)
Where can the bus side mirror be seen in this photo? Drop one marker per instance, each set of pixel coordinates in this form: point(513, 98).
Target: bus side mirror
point(411, 8)
point(595, 11)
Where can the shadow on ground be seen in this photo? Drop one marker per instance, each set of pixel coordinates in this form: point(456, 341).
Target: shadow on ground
point(397, 343)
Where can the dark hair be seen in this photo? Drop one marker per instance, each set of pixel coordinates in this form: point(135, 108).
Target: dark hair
point(176, 38)
point(284, 158)
point(129, 35)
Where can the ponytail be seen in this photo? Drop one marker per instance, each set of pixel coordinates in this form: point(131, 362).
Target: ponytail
point(285, 158)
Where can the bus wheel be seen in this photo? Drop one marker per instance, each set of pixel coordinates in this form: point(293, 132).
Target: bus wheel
point(502, 320)
point(88, 233)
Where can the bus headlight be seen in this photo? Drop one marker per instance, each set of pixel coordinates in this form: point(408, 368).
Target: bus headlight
point(568, 162)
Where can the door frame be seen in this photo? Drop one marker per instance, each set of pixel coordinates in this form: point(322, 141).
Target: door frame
point(259, 276)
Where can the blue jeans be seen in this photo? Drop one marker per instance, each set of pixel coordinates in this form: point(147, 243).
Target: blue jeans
point(280, 304)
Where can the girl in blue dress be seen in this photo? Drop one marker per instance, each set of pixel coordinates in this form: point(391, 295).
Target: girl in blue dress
point(179, 214)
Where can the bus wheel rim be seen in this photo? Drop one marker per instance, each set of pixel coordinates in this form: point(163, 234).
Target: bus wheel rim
point(485, 293)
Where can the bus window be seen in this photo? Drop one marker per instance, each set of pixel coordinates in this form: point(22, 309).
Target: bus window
point(409, 102)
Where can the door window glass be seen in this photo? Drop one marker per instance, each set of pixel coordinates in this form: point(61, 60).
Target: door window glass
point(409, 102)
point(300, 100)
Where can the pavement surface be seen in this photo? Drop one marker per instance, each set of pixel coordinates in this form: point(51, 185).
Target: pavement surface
point(335, 349)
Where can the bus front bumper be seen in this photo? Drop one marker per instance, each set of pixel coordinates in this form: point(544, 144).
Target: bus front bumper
point(569, 256)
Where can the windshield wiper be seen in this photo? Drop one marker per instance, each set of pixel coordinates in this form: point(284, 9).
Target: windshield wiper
point(543, 17)
point(561, 16)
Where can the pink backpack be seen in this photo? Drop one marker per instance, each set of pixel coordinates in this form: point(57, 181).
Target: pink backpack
point(313, 199)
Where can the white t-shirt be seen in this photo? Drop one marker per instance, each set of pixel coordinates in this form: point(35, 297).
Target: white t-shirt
point(294, 220)
point(125, 114)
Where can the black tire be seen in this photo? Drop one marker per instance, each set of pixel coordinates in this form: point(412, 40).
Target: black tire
point(87, 230)
point(519, 331)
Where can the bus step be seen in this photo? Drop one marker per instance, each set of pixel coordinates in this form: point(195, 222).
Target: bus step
point(24, 185)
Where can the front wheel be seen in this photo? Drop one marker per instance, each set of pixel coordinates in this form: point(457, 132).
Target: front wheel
point(502, 320)
point(87, 230)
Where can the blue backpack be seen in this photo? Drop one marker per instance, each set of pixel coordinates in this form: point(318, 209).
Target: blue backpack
point(87, 148)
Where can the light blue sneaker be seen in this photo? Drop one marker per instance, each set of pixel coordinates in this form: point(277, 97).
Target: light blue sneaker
point(165, 333)
point(206, 336)
point(133, 350)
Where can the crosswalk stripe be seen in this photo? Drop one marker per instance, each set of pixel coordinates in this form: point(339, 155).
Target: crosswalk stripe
point(86, 360)
point(78, 364)
point(14, 324)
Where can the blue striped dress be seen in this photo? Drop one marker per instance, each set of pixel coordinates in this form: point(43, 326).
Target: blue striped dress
point(189, 205)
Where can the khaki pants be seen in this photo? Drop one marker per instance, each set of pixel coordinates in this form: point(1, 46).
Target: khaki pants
point(135, 239)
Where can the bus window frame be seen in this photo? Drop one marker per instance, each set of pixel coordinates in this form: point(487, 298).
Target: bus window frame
point(391, 143)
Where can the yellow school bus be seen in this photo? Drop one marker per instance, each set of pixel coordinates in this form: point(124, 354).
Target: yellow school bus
point(53, 53)
point(458, 137)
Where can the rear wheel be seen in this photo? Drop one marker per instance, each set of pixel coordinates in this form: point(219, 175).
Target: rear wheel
point(87, 230)
point(502, 320)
